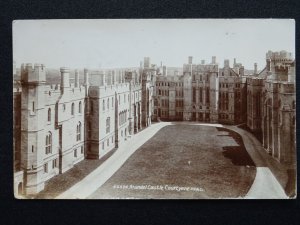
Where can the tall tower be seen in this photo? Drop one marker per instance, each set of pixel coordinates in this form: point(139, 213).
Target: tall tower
point(33, 117)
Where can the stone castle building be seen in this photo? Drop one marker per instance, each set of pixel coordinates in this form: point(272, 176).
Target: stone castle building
point(57, 126)
point(65, 123)
point(271, 106)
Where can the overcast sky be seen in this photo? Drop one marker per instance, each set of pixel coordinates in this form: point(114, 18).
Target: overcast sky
point(124, 43)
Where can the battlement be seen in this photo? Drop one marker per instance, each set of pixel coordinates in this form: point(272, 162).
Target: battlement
point(33, 74)
point(282, 56)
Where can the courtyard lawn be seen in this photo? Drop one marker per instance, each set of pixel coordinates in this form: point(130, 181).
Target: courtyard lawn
point(184, 161)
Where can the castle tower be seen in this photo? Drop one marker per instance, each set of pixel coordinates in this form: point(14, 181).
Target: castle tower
point(32, 126)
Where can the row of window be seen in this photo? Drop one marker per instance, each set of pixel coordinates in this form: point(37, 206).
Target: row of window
point(48, 142)
point(107, 142)
point(201, 95)
point(107, 103)
point(64, 108)
point(179, 93)
point(165, 103)
point(54, 165)
point(55, 161)
point(179, 103)
point(122, 117)
point(167, 84)
point(163, 92)
point(200, 78)
point(223, 105)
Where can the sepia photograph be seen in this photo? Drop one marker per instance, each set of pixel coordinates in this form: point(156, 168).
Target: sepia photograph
point(154, 109)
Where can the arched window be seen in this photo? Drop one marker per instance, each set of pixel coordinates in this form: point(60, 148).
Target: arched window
point(107, 103)
point(49, 114)
point(48, 146)
point(107, 124)
point(72, 109)
point(103, 104)
point(78, 132)
point(80, 107)
point(112, 102)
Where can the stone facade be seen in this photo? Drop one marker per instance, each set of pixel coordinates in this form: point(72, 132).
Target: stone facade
point(202, 93)
point(232, 92)
point(271, 106)
point(57, 126)
point(65, 123)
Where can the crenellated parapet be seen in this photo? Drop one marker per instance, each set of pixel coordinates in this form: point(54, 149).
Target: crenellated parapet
point(33, 74)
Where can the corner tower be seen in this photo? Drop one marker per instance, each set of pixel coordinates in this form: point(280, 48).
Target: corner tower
point(33, 114)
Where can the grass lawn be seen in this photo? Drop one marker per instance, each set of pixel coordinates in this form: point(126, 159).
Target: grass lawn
point(184, 161)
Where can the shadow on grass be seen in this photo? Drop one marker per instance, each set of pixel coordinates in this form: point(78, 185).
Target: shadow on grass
point(237, 154)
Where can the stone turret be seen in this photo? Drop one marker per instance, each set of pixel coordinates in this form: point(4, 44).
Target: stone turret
point(65, 79)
